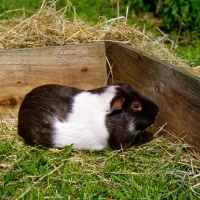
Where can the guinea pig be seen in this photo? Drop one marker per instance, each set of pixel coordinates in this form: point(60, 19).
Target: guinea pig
point(55, 116)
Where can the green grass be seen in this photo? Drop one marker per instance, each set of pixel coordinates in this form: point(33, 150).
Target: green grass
point(159, 169)
point(190, 53)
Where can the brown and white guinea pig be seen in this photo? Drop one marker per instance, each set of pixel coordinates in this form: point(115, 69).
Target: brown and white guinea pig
point(58, 116)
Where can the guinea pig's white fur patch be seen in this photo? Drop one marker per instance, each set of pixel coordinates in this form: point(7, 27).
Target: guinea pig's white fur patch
point(131, 127)
point(85, 126)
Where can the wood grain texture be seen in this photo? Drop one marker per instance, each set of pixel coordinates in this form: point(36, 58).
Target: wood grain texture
point(82, 66)
point(176, 91)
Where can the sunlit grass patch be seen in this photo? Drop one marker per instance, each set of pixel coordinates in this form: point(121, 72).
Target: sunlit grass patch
point(161, 168)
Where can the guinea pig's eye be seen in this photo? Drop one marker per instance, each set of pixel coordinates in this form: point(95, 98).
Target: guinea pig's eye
point(136, 106)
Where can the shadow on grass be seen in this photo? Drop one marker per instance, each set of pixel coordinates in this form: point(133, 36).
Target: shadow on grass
point(142, 138)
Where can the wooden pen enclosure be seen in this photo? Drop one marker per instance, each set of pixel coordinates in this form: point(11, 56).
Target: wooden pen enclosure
point(176, 91)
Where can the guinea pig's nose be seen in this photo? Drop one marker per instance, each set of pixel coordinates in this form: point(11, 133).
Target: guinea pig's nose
point(154, 110)
point(157, 109)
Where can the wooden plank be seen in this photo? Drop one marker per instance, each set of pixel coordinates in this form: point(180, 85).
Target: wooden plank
point(82, 66)
point(176, 91)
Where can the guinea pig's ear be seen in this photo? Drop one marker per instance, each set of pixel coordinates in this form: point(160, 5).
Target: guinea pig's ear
point(116, 104)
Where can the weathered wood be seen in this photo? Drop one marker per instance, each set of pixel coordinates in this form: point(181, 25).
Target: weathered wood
point(176, 91)
point(82, 66)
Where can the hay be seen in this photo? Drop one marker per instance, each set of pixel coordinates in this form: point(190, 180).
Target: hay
point(48, 26)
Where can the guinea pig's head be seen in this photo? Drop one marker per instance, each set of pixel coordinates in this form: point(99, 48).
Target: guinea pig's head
point(141, 110)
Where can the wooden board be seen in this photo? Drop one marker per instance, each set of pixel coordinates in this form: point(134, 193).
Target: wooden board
point(82, 66)
point(176, 91)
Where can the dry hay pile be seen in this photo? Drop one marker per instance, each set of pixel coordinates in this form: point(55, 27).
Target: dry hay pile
point(48, 27)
